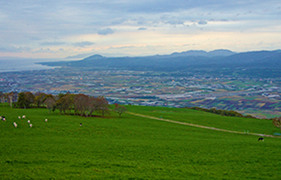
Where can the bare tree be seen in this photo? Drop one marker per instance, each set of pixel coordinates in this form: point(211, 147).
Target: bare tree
point(25, 99)
point(119, 109)
point(81, 103)
point(3, 98)
point(10, 98)
point(92, 105)
point(277, 122)
point(29, 99)
point(50, 103)
point(65, 102)
point(21, 100)
point(102, 105)
point(39, 98)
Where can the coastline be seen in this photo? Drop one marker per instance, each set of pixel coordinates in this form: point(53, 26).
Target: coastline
point(16, 65)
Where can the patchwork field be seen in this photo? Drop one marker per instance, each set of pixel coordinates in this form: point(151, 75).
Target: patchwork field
point(132, 147)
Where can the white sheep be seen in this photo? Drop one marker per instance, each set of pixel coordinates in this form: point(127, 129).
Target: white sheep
point(4, 119)
point(0, 117)
point(15, 124)
point(30, 125)
point(28, 121)
point(46, 120)
point(19, 117)
point(23, 116)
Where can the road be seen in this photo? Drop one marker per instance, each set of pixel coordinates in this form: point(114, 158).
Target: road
point(200, 126)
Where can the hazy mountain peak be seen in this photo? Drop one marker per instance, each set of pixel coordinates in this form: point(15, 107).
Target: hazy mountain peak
point(96, 56)
point(190, 53)
point(218, 52)
point(221, 52)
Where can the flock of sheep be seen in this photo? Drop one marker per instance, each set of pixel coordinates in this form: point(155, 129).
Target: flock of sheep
point(3, 118)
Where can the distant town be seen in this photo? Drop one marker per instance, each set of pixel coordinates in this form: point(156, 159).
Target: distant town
point(259, 97)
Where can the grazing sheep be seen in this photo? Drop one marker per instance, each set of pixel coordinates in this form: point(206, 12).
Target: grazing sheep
point(80, 124)
point(28, 121)
point(30, 125)
point(1, 117)
point(46, 120)
point(4, 119)
point(15, 124)
point(23, 116)
point(261, 139)
point(19, 117)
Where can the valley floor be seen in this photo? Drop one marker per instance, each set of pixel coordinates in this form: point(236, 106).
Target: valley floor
point(258, 97)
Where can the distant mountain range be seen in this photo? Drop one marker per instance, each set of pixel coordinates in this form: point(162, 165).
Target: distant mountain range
point(213, 61)
point(215, 53)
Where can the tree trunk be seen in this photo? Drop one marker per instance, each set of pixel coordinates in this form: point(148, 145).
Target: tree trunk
point(11, 102)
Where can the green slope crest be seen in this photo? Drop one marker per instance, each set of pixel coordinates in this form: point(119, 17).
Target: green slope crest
point(134, 147)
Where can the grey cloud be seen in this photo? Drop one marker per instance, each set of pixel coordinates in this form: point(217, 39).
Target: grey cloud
point(123, 47)
point(159, 6)
point(105, 31)
point(202, 22)
point(14, 49)
point(8, 49)
point(106, 13)
point(218, 20)
point(54, 43)
point(83, 44)
point(58, 18)
point(142, 29)
point(34, 38)
point(141, 20)
point(44, 50)
point(118, 21)
point(174, 22)
point(143, 6)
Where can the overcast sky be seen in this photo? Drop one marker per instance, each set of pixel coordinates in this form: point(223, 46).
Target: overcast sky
point(78, 28)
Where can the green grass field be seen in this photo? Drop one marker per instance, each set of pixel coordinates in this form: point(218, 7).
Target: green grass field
point(131, 147)
point(208, 119)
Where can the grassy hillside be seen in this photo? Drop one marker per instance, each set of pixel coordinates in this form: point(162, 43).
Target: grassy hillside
point(131, 147)
point(208, 119)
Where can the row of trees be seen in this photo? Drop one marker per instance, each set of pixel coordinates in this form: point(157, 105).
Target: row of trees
point(12, 99)
point(80, 104)
point(221, 112)
point(276, 121)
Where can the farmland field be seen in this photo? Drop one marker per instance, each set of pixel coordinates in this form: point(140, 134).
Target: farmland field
point(132, 147)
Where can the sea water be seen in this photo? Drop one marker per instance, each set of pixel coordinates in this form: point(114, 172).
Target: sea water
point(10, 65)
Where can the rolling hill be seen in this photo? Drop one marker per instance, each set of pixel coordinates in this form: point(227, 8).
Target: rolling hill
point(133, 147)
